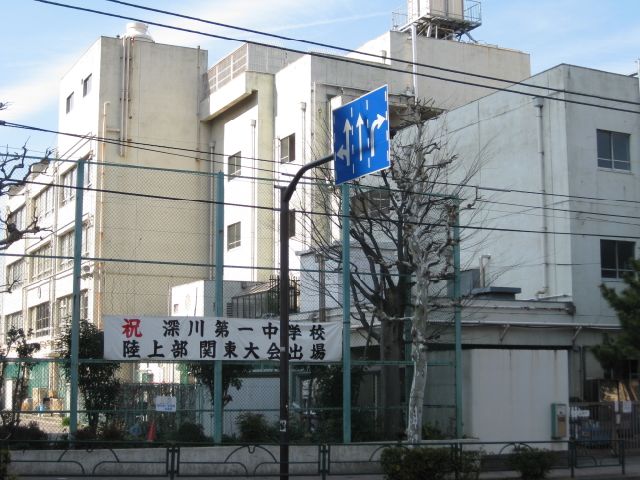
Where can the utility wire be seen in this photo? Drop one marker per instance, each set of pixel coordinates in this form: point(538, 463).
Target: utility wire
point(372, 55)
point(325, 214)
point(141, 146)
point(336, 58)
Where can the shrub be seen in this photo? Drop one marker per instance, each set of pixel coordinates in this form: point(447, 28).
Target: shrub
point(416, 463)
point(30, 436)
point(189, 432)
point(254, 428)
point(531, 463)
point(467, 464)
point(113, 432)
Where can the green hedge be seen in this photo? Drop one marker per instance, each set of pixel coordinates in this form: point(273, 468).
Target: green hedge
point(420, 463)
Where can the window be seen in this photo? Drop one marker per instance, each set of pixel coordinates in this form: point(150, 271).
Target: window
point(43, 204)
point(288, 149)
point(613, 150)
point(41, 262)
point(68, 181)
point(615, 257)
point(372, 204)
point(69, 103)
point(65, 246)
point(17, 217)
point(64, 308)
point(13, 320)
point(234, 165)
point(86, 86)
point(233, 235)
point(15, 273)
point(40, 318)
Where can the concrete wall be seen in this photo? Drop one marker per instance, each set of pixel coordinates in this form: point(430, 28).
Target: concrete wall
point(479, 59)
point(508, 393)
point(500, 133)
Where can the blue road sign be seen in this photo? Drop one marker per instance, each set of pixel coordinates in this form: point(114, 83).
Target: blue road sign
point(361, 136)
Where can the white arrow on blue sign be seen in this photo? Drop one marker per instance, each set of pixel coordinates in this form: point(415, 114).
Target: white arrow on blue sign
point(361, 136)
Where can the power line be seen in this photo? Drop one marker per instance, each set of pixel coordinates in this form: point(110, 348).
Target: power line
point(142, 146)
point(325, 214)
point(372, 55)
point(335, 58)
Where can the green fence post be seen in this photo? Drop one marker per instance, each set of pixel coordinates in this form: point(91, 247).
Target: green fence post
point(458, 319)
point(75, 313)
point(219, 299)
point(346, 317)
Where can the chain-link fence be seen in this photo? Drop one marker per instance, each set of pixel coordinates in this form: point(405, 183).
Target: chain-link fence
point(152, 240)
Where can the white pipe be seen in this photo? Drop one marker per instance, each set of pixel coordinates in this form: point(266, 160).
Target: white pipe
point(99, 234)
point(638, 62)
point(414, 57)
point(538, 103)
point(212, 232)
point(124, 92)
point(254, 224)
point(483, 268)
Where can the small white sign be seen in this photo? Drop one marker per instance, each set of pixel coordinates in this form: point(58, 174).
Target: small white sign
point(165, 404)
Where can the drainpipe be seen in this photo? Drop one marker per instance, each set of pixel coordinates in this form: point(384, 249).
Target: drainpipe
point(414, 57)
point(538, 103)
point(124, 94)
point(254, 225)
point(212, 207)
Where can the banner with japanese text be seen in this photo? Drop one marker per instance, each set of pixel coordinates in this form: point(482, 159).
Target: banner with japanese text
point(206, 338)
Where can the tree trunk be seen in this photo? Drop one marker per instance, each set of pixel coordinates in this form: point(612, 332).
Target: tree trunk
point(419, 357)
point(392, 381)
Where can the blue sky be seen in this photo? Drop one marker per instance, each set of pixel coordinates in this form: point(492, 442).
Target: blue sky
point(40, 42)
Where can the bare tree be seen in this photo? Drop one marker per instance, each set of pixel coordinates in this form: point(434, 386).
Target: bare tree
point(15, 170)
point(401, 231)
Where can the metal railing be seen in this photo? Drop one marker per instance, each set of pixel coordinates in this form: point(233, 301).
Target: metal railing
point(173, 460)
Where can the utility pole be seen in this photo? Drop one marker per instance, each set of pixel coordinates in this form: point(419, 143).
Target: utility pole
point(285, 196)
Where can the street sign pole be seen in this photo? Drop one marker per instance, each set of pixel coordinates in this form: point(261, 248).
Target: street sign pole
point(285, 197)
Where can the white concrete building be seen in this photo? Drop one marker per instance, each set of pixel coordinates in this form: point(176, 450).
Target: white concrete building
point(558, 195)
point(120, 90)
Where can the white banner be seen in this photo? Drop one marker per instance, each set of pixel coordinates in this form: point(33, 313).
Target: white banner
point(206, 338)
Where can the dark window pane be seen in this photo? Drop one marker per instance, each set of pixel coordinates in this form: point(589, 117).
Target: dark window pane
point(604, 163)
point(625, 254)
point(620, 143)
point(608, 254)
point(604, 144)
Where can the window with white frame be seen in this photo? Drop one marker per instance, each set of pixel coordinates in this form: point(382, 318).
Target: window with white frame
point(68, 181)
point(86, 86)
point(15, 320)
point(65, 246)
point(615, 257)
point(15, 273)
point(41, 262)
point(69, 103)
point(43, 204)
point(234, 165)
point(288, 149)
point(233, 235)
point(40, 319)
point(17, 217)
point(64, 308)
point(613, 150)
point(375, 203)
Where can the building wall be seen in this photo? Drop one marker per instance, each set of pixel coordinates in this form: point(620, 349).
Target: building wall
point(500, 133)
point(508, 393)
point(479, 59)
